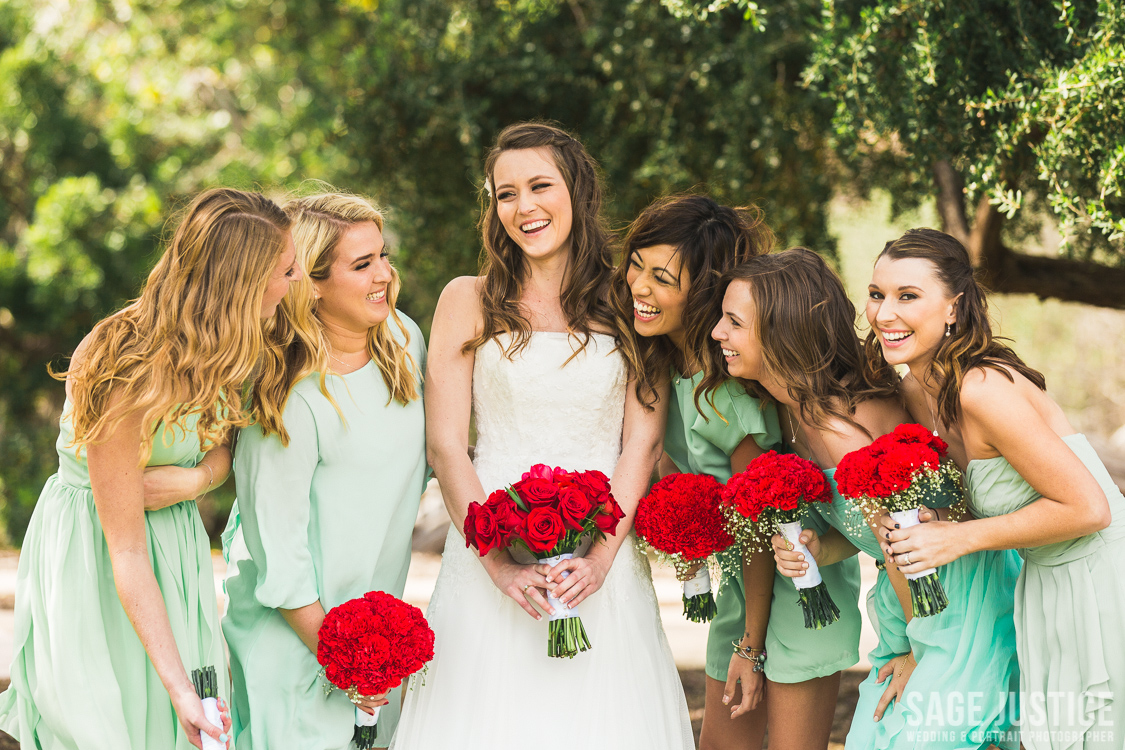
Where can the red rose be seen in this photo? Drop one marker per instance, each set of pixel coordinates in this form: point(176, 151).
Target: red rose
point(543, 528)
point(507, 514)
point(480, 528)
point(574, 507)
point(596, 482)
point(610, 514)
point(537, 493)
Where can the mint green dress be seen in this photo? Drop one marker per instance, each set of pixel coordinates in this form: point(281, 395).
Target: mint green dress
point(327, 518)
point(962, 694)
point(703, 446)
point(1069, 614)
point(80, 676)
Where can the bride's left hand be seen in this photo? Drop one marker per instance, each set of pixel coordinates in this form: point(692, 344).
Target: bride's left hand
point(585, 577)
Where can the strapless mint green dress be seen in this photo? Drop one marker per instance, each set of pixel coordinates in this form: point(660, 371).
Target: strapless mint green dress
point(80, 677)
point(701, 445)
point(1070, 614)
point(962, 693)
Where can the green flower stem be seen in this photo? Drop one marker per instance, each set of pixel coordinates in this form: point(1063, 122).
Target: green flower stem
point(927, 595)
point(700, 608)
point(566, 637)
point(820, 610)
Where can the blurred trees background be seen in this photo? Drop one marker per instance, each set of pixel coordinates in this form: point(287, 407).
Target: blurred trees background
point(112, 114)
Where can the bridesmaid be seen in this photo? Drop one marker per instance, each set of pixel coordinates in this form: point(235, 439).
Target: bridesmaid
point(115, 605)
point(329, 487)
point(1034, 483)
point(789, 327)
point(668, 285)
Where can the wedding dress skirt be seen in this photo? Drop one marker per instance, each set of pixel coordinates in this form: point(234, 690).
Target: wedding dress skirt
point(491, 684)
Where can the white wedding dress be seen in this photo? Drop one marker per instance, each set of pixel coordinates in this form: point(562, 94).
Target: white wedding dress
point(491, 684)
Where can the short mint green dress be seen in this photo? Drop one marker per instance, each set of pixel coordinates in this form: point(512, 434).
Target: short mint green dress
point(80, 676)
point(703, 446)
point(1069, 614)
point(962, 694)
point(327, 518)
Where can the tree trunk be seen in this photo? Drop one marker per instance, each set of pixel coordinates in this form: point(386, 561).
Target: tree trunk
point(1007, 271)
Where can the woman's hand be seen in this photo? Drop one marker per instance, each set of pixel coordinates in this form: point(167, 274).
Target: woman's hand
point(927, 545)
point(368, 703)
point(583, 576)
point(523, 583)
point(899, 669)
point(753, 686)
point(790, 562)
point(189, 710)
point(168, 485)
point(689, 573)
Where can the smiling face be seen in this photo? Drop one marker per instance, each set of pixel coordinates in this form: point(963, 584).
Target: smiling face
point(659, 287)
point(285, 272)
point(533, 201)
point(908, 308)
point(354, 296)
point(736, 333)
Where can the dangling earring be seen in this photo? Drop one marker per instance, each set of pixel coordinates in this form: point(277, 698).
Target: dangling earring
point(948, 329)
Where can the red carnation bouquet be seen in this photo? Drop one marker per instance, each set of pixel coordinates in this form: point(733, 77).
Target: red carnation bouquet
point(368, 646)
point(899, 471)
point(547, 512)
point(680, 520)
point(775, 492)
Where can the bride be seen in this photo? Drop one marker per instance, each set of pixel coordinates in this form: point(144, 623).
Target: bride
point(529, 345)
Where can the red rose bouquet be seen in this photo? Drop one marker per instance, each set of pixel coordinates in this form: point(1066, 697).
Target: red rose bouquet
point(680, 520)
point(776, 491)
point(370, 645)
point(547, 512)
point(899, 471)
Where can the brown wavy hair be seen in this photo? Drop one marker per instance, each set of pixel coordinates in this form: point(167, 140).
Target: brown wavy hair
point(970, 343)
point(710, 239)
point(319, 222)
point(191, 340)
point(806, 325)
point(585, 291)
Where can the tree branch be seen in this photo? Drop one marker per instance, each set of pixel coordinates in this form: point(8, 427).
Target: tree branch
point(1010, 272)
point(951, 201)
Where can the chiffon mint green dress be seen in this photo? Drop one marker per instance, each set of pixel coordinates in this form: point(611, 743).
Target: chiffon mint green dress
point(327, 518)
point(1069, 614)
point(80, 676)
point(962, 694)
point(701, 445)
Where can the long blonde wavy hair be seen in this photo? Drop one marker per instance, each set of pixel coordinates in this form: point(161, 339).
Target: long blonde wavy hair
point(299, 345)
point(189, 342)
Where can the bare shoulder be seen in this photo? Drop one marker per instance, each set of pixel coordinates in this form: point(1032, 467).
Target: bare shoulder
point(986, 389)
point(459, 303)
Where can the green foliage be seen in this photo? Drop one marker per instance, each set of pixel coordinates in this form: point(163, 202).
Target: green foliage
point(114, 114)
point(1025, 99)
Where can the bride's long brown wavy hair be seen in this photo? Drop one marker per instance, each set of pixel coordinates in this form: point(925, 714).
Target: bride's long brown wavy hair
point(191, 340)
point(585, 291)
point(971, 343)
point(806, 325)
point(319, 223)
point(710, 239)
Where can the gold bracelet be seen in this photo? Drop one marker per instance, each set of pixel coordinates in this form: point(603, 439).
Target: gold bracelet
point(210, 481)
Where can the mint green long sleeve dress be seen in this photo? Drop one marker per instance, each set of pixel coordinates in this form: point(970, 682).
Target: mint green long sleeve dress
point(962, 694)
point(327, 518)
point(700, 445)
point(80, 676)
point(1069, 614)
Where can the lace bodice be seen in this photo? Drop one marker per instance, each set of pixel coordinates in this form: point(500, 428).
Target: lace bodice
point(540, 408)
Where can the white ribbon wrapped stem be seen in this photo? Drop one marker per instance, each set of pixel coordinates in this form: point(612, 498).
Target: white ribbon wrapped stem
point(906, 519)
point(792, 532)
point(211, 711)
point(561, 610)
point(364, 719)
point(698, 584)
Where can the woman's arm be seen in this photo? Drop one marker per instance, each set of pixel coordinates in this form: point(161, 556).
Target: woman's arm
point(117, 480)
point(642, 441)
point(169, 485)
point(449, 398)
point(1071, 504)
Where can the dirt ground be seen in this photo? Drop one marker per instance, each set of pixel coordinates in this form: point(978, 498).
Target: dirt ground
point(693, 680)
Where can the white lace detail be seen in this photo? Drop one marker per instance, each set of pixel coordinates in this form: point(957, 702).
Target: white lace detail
point(539, 408)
